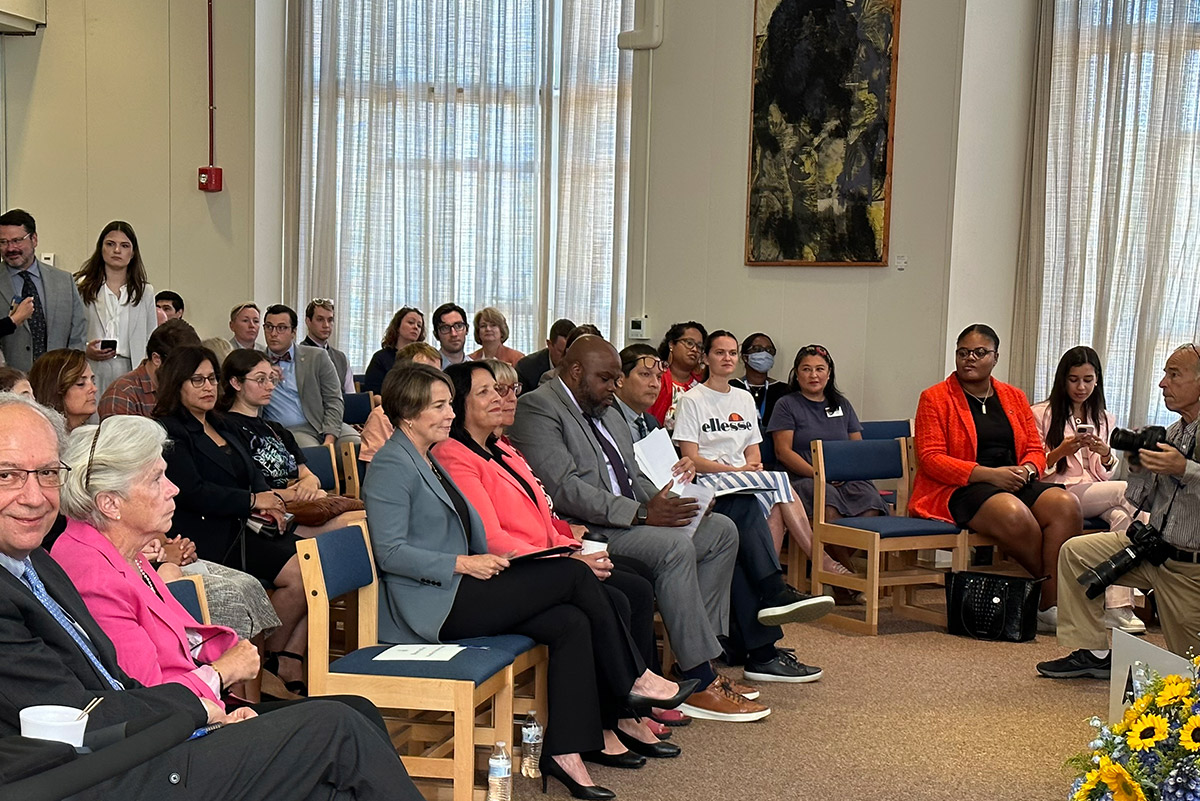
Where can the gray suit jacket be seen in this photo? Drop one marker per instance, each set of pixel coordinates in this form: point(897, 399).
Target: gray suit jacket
point(320, 390)
point(558, 443)
point(66, 326)
point(416, 535)
point(341, 363)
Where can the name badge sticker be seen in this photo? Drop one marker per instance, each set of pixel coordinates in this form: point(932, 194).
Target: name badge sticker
point(836, 413)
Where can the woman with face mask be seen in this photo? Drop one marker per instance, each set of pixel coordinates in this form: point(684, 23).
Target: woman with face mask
point(758, 354)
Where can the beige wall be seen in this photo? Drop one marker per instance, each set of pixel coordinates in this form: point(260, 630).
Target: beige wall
point(107, 119)
point(885, 327)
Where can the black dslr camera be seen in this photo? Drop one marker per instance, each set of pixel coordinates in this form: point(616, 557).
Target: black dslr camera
point(1145, 542)
point(1133, 441)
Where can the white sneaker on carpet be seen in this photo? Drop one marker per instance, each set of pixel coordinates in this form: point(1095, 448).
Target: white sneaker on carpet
point(1124, 619)
point(1047, 620)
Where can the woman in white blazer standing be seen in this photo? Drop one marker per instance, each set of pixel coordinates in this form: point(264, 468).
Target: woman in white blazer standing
point(118, 303)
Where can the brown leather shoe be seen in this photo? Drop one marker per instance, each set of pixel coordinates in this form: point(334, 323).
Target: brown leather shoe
point(718, 702)
point(744, 690)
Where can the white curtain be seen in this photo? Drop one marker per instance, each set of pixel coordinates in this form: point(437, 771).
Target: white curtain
point(1121, 242)
point(472, 152)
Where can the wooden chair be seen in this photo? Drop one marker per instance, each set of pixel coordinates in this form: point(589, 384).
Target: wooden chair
point(359, 378)
point(887, 429)
point(352, 469)
point(444, 710)
point(189, 591)
point(323, 462)
point(357, 406)
point(879, 536)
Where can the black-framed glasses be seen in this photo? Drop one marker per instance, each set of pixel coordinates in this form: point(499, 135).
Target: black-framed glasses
point(967, 353)
point(15, 478)
point(282, 328)
point(6, 242)
point(689, 343)
point(198, 380)
point(649, 362)
point(446, 328)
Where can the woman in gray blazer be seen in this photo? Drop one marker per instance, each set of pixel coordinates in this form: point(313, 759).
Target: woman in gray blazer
point(440, 583)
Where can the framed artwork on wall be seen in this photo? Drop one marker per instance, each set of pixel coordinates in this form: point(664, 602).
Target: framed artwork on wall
point(821, 132)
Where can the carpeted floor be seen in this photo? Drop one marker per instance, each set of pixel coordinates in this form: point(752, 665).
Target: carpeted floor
point(911, 714)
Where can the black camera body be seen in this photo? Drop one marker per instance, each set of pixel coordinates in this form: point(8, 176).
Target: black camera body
point(1145, 543)
point(1133, 441)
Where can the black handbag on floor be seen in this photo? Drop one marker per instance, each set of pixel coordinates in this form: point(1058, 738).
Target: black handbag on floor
point(990, 606)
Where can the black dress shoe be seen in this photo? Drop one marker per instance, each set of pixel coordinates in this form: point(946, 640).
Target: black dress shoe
point(686, 688)
point(627, 760)
point(659, 750)
point(588, 792)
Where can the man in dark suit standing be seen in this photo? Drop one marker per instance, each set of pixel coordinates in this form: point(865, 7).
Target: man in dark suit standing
point(308, 401)
point(531, 368)
point(45, 310)
point(55, 652)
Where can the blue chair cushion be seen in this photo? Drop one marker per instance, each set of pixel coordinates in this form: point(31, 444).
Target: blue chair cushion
point(185, 593)
point(344, 560)
point(862, 460)
point(476, 665)
point(885, 429)
point(514, 644)
point(899, 526)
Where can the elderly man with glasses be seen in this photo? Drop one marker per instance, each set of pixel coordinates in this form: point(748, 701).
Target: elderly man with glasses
point(318, 318)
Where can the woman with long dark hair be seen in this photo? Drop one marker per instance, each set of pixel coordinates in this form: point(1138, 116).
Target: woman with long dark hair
point(1075, 423)
point(118, 302)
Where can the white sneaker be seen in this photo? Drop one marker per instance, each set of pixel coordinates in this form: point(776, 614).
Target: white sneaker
point(1047, 621)
point(1124, 619)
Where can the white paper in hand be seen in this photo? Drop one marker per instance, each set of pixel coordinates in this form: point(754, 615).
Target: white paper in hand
point(656, 456)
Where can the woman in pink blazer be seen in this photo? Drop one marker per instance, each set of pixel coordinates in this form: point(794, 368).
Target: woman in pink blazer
point(517, 518)
point(118, 500)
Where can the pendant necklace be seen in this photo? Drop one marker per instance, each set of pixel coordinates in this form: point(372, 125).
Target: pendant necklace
point(982, 401)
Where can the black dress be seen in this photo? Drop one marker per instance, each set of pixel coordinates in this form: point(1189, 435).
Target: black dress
point(215, 492)
point(381, 362)
point(271, 446)
point(995, 447)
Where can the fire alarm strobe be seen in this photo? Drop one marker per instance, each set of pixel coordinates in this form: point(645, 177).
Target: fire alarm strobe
point(210, 179)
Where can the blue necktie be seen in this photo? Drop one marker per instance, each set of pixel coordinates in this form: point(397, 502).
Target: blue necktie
point(39, 592)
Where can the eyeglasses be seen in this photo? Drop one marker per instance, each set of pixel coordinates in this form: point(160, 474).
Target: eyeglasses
point(326, 303)
point(504, 389)
point(6, 242)
point(281, 328)
point(760, 349)
point(15, 478)
point(690, 343)
point(978, 353)
point(649, 362)
point(457, 328)
point(261, 380)
point(198, 380)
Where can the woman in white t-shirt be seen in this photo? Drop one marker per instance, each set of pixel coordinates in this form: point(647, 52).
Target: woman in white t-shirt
point(716, 426)
point(118, 302)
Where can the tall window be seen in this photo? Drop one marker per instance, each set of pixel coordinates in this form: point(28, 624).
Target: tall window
point(474, 152)
point(1122, 224)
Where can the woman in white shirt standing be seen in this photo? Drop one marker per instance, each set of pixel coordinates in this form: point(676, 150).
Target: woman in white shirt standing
point(1075, 425)
point(716, 426)
point(118, 303)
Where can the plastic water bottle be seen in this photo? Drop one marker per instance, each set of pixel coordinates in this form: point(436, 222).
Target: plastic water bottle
point(531, 747)
point(499, 774)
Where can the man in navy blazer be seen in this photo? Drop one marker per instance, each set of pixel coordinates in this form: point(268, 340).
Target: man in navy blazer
point(61, 324)
point(56, 653)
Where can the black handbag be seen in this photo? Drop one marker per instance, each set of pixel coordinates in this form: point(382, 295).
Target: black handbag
point(989, 606)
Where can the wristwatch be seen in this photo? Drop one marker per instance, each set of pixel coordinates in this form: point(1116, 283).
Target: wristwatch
point(643, 513)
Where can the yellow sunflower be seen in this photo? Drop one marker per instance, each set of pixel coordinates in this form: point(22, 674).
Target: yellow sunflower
point(1122, 785)
point(1146, 732)
point(1090, 781)
point(1173, 691)
point(1189, 736)
point(1135, 711)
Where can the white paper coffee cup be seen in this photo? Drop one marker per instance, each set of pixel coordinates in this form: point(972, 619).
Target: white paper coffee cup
point(592, 546)
point(51, 722)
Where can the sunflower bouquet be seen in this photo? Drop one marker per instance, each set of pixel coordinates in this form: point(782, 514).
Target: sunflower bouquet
point(1152, 753)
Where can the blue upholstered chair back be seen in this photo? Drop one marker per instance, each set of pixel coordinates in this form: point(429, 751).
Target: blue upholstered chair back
point(357, 408)
point(886, 429)
point(185, 593)
point(359, 378)
point(863, 460)
point(321, 463)
point(345, 562)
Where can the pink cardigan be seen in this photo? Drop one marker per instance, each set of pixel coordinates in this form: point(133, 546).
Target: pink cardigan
point(512, 520)
point(149, 632)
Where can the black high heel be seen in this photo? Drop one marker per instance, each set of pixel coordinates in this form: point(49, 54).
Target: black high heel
point(592, 792)
point(271, 665)
point(686, 688)
point(656, 750)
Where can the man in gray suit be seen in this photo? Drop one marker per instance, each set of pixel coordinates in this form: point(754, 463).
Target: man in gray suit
point(308, 400)
point(581, 449)
point(46, 312)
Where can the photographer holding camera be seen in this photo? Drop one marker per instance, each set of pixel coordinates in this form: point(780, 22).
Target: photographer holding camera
point(1163, 556)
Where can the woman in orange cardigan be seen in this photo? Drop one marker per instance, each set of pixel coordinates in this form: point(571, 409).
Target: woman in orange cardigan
point(979, 456)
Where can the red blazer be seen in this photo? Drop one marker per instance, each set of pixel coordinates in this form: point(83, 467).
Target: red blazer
point(947, 447)
point(147, 631)
point(512, 520)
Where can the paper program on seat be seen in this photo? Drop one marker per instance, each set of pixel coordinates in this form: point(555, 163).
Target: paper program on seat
point(419, 652)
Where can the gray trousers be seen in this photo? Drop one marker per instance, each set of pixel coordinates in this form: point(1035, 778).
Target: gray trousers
point(690, 574)
point(306, 436)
